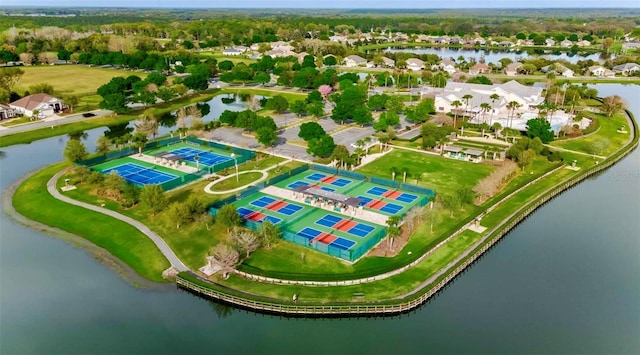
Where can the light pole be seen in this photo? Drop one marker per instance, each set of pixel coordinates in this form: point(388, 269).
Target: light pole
point(233, 155)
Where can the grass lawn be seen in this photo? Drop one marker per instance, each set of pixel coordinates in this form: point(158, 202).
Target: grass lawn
point(232, 183)
point(440, 174)
point(119, 238)
point(70, 79)
point(607, 133)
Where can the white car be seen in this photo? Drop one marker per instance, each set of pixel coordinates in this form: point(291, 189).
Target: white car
point(41, 115)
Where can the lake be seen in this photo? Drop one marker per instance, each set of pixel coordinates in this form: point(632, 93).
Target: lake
point(492, 56)
point(565, 280)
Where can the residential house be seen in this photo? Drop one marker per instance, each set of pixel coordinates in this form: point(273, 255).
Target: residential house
point(512, 68)
point(354, 61)
point(45, 104)
point(415, 64)
point(600, 71)
point(280, 53)
point(549, 42)
point(422, 38)
point(281, 45)
point(583, 43)
point(528, 97)
point(447, 65)
point(558, 69)
point(627, 69)
point(630, 45)
point(388, 63)
point(566, 43)
point(479, 41)
point(7, 112)
point(479, 68)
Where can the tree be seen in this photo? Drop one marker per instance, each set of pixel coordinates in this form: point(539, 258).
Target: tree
point(393, 230)
point(311, 130)
point(485, 107)
point(225, 65)
point(525, 158)
point(278, 104)
point(347, 103)
point(153, 197)
point(196, 82)
point(540, 127)
point(329, 60)
point(456, 105)
point(245, 240)
point(315, 109)
point(103, 145)
point(266, 136)
point(75, 151)
point(340, 155)
point(466, 99)
point(139, 140)
point(451, 201)
point(262, 78)
point(225, 256)
point(299, 107)
point(71, 101)
point(9, 77)
point(362, 116)
point(321, 147)
point(599, 145)
point(611, 105)
point(394, 104)
point(269, 233)
point(115, 102)
point(228, 216)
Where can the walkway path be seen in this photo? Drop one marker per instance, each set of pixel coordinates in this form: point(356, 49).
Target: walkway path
point(50, 122)
point(574, 151)
point(159, 242)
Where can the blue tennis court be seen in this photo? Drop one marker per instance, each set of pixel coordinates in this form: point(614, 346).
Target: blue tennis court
point(342, 243)
point(391, 208)
point(406, 198)
point(364, 200)
point(377, 191)
point(290, 209)
point(309, 233)
point(204, 157)
point(263, 201)
point(341, 182)
point(140, 175)
point(361, 230)
point(256, 216)
point(316, 176)
point(328, 220)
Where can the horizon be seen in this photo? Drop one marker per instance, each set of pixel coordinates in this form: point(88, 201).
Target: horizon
point(329, 5)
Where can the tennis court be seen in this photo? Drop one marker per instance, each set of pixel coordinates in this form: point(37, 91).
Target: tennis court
point(252, 215)
point(327, 179)
point(383, 206)
point(204, 157)
point(358, 229)
point(276, 205)
point(140, 175)
point(392, 194)
point(314, 235)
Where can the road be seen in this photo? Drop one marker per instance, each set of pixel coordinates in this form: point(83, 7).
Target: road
point(49, 122)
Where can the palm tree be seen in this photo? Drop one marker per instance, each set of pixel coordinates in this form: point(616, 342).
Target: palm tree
point(405, 172)
point(394, 171)
point(466, 99)
point(485, 107)
point(393, 230)
point(456, 104)
point(513, 106)
point(494, 97)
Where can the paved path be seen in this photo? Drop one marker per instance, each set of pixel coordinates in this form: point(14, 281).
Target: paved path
point(164, 248)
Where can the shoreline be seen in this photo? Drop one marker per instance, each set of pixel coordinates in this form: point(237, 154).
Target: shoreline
point(442, 276)
point(102, 255)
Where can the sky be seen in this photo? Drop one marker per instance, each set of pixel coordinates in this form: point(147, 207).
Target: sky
point(397, 4)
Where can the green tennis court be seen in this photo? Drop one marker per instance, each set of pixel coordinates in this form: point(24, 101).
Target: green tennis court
point(141, 172)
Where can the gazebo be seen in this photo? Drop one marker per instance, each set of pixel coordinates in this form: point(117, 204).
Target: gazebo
point(167, 158)
point(313, 194)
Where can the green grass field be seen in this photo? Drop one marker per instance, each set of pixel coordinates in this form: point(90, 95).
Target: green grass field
point(610, 139)
point(440, 174)
point(77, 80)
